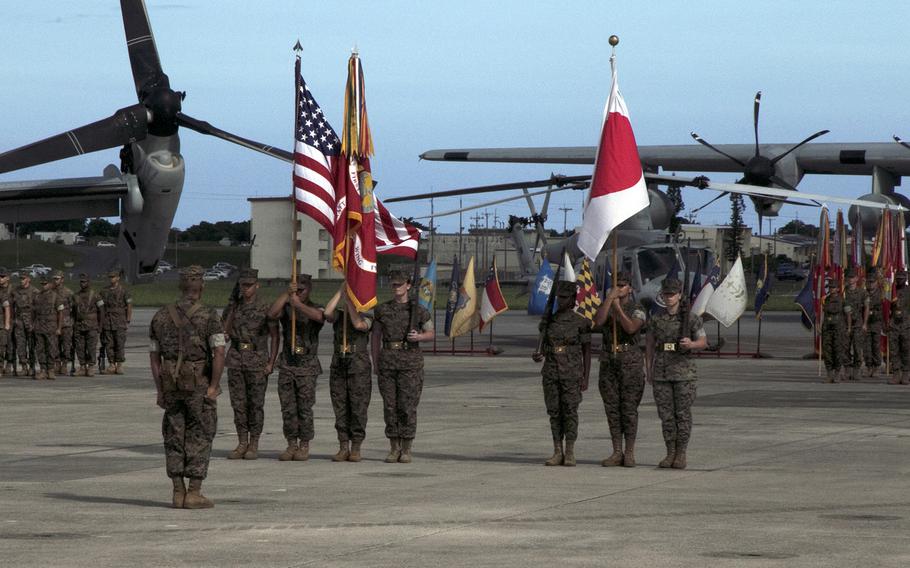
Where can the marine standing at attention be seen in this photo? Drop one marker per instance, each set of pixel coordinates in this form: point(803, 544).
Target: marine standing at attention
point(250, 361)
point(6, 324)
point(118, 312)
point(23, 323)
point(88, 313)
point(834, 331)
point(899, 332)
point(186, 355)
point(298, 366)
point(670, 369)
point(47, 327)
point(65, 343)
point(622, 370)
point(350, 376)
point(398, 328)
point(855, 299)
point(873, 325)
point(567, 363)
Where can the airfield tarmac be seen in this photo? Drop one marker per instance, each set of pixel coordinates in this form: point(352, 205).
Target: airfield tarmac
point(783, 471)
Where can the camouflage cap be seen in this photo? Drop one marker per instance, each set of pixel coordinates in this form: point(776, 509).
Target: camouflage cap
point(851, 273)
point(872, 277)
point(623, 277)
point(83, 277)
point(24, 274)
point(670, 286)
point(114, 271)
point(44, 279)
point(249, 276)
point(192, 272)
point(566, 289)
point(3, 271)
point(304, 280)
point(58, 274)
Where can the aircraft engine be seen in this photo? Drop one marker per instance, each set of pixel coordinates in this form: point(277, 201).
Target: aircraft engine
point(872, 217)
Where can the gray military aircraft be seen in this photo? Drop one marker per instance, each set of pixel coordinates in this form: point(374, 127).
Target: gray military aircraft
point(145, 190)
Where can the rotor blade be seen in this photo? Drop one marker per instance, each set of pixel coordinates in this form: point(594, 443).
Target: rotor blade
point(697, 209)
point(901, 142)
point(554, 180)
point(489, 203)
point(809, 139)
point(140, 43)
point(123, 127)
point(704, 142)
point(204, 127)
point(755, 120)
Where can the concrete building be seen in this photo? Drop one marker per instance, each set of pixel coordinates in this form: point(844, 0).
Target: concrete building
point(272, 229)
point(715, 238)
point(59, 237)
point(797, 248)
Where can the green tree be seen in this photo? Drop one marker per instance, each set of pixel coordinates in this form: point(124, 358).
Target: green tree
point(735, 239)
point(101, 228)
point(674, 194)
point(797, 227)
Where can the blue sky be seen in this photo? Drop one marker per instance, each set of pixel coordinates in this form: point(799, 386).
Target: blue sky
point(462, 74)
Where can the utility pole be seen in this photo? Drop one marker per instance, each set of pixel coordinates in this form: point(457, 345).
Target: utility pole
point(565, 217)
point(460, 230)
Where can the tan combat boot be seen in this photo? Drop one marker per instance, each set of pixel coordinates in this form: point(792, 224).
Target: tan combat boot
point(895, 378)
point(628, 458)
point(194, 498)
point(557, 457)
point(288, 453)
point(829, 376)
point(179, 492)
point(616, 457)
point(343, 452)
point(679, 462)
point(50, 375)
point(569, 457)
point(303, 452)
point(39, 375)
point(237, 453)
point(394, 451)
point(118, 369)
point(671, 455)
point(252, 451)
point(405, 456)
point(355, 451)
point(24, 371)
point(90, 371)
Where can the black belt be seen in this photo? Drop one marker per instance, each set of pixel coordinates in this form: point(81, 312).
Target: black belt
point(398, 345)
point(350, 349)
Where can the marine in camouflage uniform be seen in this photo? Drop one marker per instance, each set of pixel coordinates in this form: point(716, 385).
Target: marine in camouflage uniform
point(249, 360)
point(396, 349)
point(88, 313)
point(622, 368)
point(6, 324)
point(350, 376)
point(48, 313)
point(834, 332)
point(186, 355)
point(566, 356)
point(873, 326)
point(672, 372)
point(855, 298)
point(899, 332)
point(65, 342)
point(23, 323)
point(118, 312)
point(298, 366)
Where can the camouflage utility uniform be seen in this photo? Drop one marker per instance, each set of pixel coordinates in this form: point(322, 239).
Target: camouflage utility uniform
point(855, 299)
point(400, 367)
point(834, 334)
point(350, 379)
point(65, 341)
point(622, 376)
point(899, 337)
point(6, 344)
point(87, 305)
point(297, 373)
point(23, 325)
point(47, 306)
point(674, 377)
point(113, 329)
point(563, 371)
point(872, 345)
point(246, 361)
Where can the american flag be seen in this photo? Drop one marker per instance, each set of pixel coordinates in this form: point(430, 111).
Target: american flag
point(316, 168)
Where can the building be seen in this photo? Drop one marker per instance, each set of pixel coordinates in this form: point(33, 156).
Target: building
point(798, 248)
point(271, 229)
point(715, 238)
point(59, 237)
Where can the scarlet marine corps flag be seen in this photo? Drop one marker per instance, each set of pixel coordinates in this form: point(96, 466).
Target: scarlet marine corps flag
point(618, 186)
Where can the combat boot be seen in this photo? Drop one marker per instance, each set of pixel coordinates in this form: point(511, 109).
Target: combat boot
point(344, 452)
point(288, 453)
point(194, 498)
point(39, 375)
point(557, 457)
point(24, 371)
point(616, 457)
point(569, 457)
point(628, 457)
point(252, 451)
point(303, 452)
point(355, 451)
point(394, 451)
point(237, 453)
point(671, 455)
point(179, 492)
point(118, 368)
point(50, 375)
point(830, 376)
point(405, 456)
point(90, 371)
point(895, 378)
point(679, 462)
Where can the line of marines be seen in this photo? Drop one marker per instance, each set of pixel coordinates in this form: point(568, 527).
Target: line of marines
point(46, 328)
point(853, 328)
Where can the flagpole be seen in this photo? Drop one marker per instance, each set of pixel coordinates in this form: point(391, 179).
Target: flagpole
point(615, 272)
point(297, 48)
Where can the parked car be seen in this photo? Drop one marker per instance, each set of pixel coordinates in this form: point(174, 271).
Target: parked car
point(211, 275)
point(787, 271)
point(105, 244)
point(36, 269)
point(225, 265)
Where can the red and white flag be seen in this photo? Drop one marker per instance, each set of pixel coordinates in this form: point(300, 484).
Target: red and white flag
point(492, 302)
point(618, 188)
point(394, 236)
